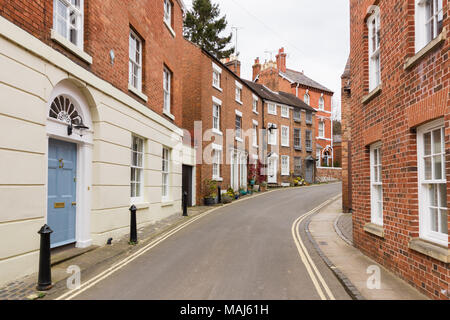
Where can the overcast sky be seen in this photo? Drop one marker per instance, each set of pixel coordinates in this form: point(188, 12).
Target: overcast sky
point(314, 33)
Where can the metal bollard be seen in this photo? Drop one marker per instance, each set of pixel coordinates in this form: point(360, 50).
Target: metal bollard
point(45, 271)
point(219, 194)
point(133, 226)
point(185, 194)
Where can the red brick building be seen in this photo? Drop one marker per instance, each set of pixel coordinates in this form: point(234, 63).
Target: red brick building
point(276, 76)
point(400, 139)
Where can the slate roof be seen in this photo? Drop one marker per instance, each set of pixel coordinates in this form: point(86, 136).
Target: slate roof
point(299, 77)
point(280, 97)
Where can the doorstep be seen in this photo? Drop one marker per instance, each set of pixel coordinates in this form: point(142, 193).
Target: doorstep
point(61, 255)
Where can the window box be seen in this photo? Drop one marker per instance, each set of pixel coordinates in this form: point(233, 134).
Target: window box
point(375, 92)
point(430, 249)
point(374, 229)
point(411, 62)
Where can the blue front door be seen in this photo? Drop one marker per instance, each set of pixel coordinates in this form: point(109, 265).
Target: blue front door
point(61, 207)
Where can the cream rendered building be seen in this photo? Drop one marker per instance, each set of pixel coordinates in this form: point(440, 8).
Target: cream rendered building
point(32, 76)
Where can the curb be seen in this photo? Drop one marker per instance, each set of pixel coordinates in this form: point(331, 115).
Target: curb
point(339, 232)
point(348, 285)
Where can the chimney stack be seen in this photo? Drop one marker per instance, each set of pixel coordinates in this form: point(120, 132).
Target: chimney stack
point(256, 68)
point(233, 64)
point(281, 60)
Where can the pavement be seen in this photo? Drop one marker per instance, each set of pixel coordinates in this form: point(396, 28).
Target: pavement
point(356, 271)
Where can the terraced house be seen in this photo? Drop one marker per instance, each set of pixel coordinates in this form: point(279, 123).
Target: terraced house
point(276, 76)
point(89, 120)
point(398, 99)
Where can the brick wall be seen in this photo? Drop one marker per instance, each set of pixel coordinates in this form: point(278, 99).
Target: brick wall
point(408, 98)
point(329, 174)
point(106, 27)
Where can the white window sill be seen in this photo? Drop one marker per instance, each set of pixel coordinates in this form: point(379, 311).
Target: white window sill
point(217, 88)
point(239, 139)
point(273, 114)
point(374, 229)
point(286, 117)
point(372, 94)
point(285, 174)
point(140, 205)
point(255, 146)
point(410, 62)
point(255, 112)
point(170, 28)
point(240, 102)
point(137, 92)
point(171, 116)
point(70, 46)
point(430, 249)
point(218, 132)
point(167, 203)
point(285, 145)
point(218, 179)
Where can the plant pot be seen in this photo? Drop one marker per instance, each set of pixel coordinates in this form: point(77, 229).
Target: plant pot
point(252, 182)
point(263, 188)
point(256, 188)
point(243, 193)
point(236, 196)
point(209, 201)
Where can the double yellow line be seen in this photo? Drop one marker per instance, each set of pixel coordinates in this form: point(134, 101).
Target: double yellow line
point(319, 283)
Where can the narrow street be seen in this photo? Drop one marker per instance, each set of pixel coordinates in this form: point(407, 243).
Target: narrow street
point(242, 251)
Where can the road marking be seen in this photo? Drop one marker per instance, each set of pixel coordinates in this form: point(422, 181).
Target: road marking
point(119, 265)
point(311, 267)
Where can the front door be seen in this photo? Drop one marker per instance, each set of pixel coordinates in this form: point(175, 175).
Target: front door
point(272, 170)
point(309, 172)
point(187, 183)
point(61, 204)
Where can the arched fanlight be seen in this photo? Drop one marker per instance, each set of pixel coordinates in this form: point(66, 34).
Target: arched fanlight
point(64, 110)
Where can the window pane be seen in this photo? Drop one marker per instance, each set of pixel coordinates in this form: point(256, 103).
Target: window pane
point(437, 145)
point(427, 143)
point(444, 223)
point(434, 220)
point(443, 195)
point(427, 168)
point(433, 193)
point(133, 190)
point(437, 167)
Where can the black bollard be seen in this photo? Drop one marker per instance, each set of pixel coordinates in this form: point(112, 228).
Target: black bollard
point(219, 194)
point(45, 271)
point(185, 194)
point(133, 226)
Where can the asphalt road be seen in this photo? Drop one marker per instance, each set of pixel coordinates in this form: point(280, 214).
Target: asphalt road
point(242, 251)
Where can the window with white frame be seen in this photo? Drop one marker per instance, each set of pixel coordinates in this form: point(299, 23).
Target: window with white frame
point(217, 157)
point(429, 18)
point(306, 98)
point(433, 221)
point(272, 109)
point(216, 79)
point(68, 20)
point(321, 129)
point(216, 116)
point(168, 12)
point(238, 92)
point(376, 185)
point(285, 136)
point(137, 168)
point(238, 126)
point(373, 25)
point(297, 139)
point(167, 84)
point(243, 171)
point(284, 165)
point(135, 72)
point(285, 111)
point(255, 134)
point(272, 139)
point(255, 104)
point(165, 173)
point(321, 103)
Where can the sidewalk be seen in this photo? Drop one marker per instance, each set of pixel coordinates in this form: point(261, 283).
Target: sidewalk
point(349, 264)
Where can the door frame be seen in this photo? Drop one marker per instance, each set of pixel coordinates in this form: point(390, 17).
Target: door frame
point(57, 130)
point(274, 157)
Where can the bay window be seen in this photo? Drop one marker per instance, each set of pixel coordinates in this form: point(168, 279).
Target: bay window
point(433, 221)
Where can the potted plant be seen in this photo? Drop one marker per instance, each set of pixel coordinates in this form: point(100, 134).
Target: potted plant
point(242, 191)
point(236, 195)
point(263, 186)
point(252, 174)
point(226, 198)
point(210, 189)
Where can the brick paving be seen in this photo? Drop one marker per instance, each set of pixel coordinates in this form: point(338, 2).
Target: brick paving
point(344, 225)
